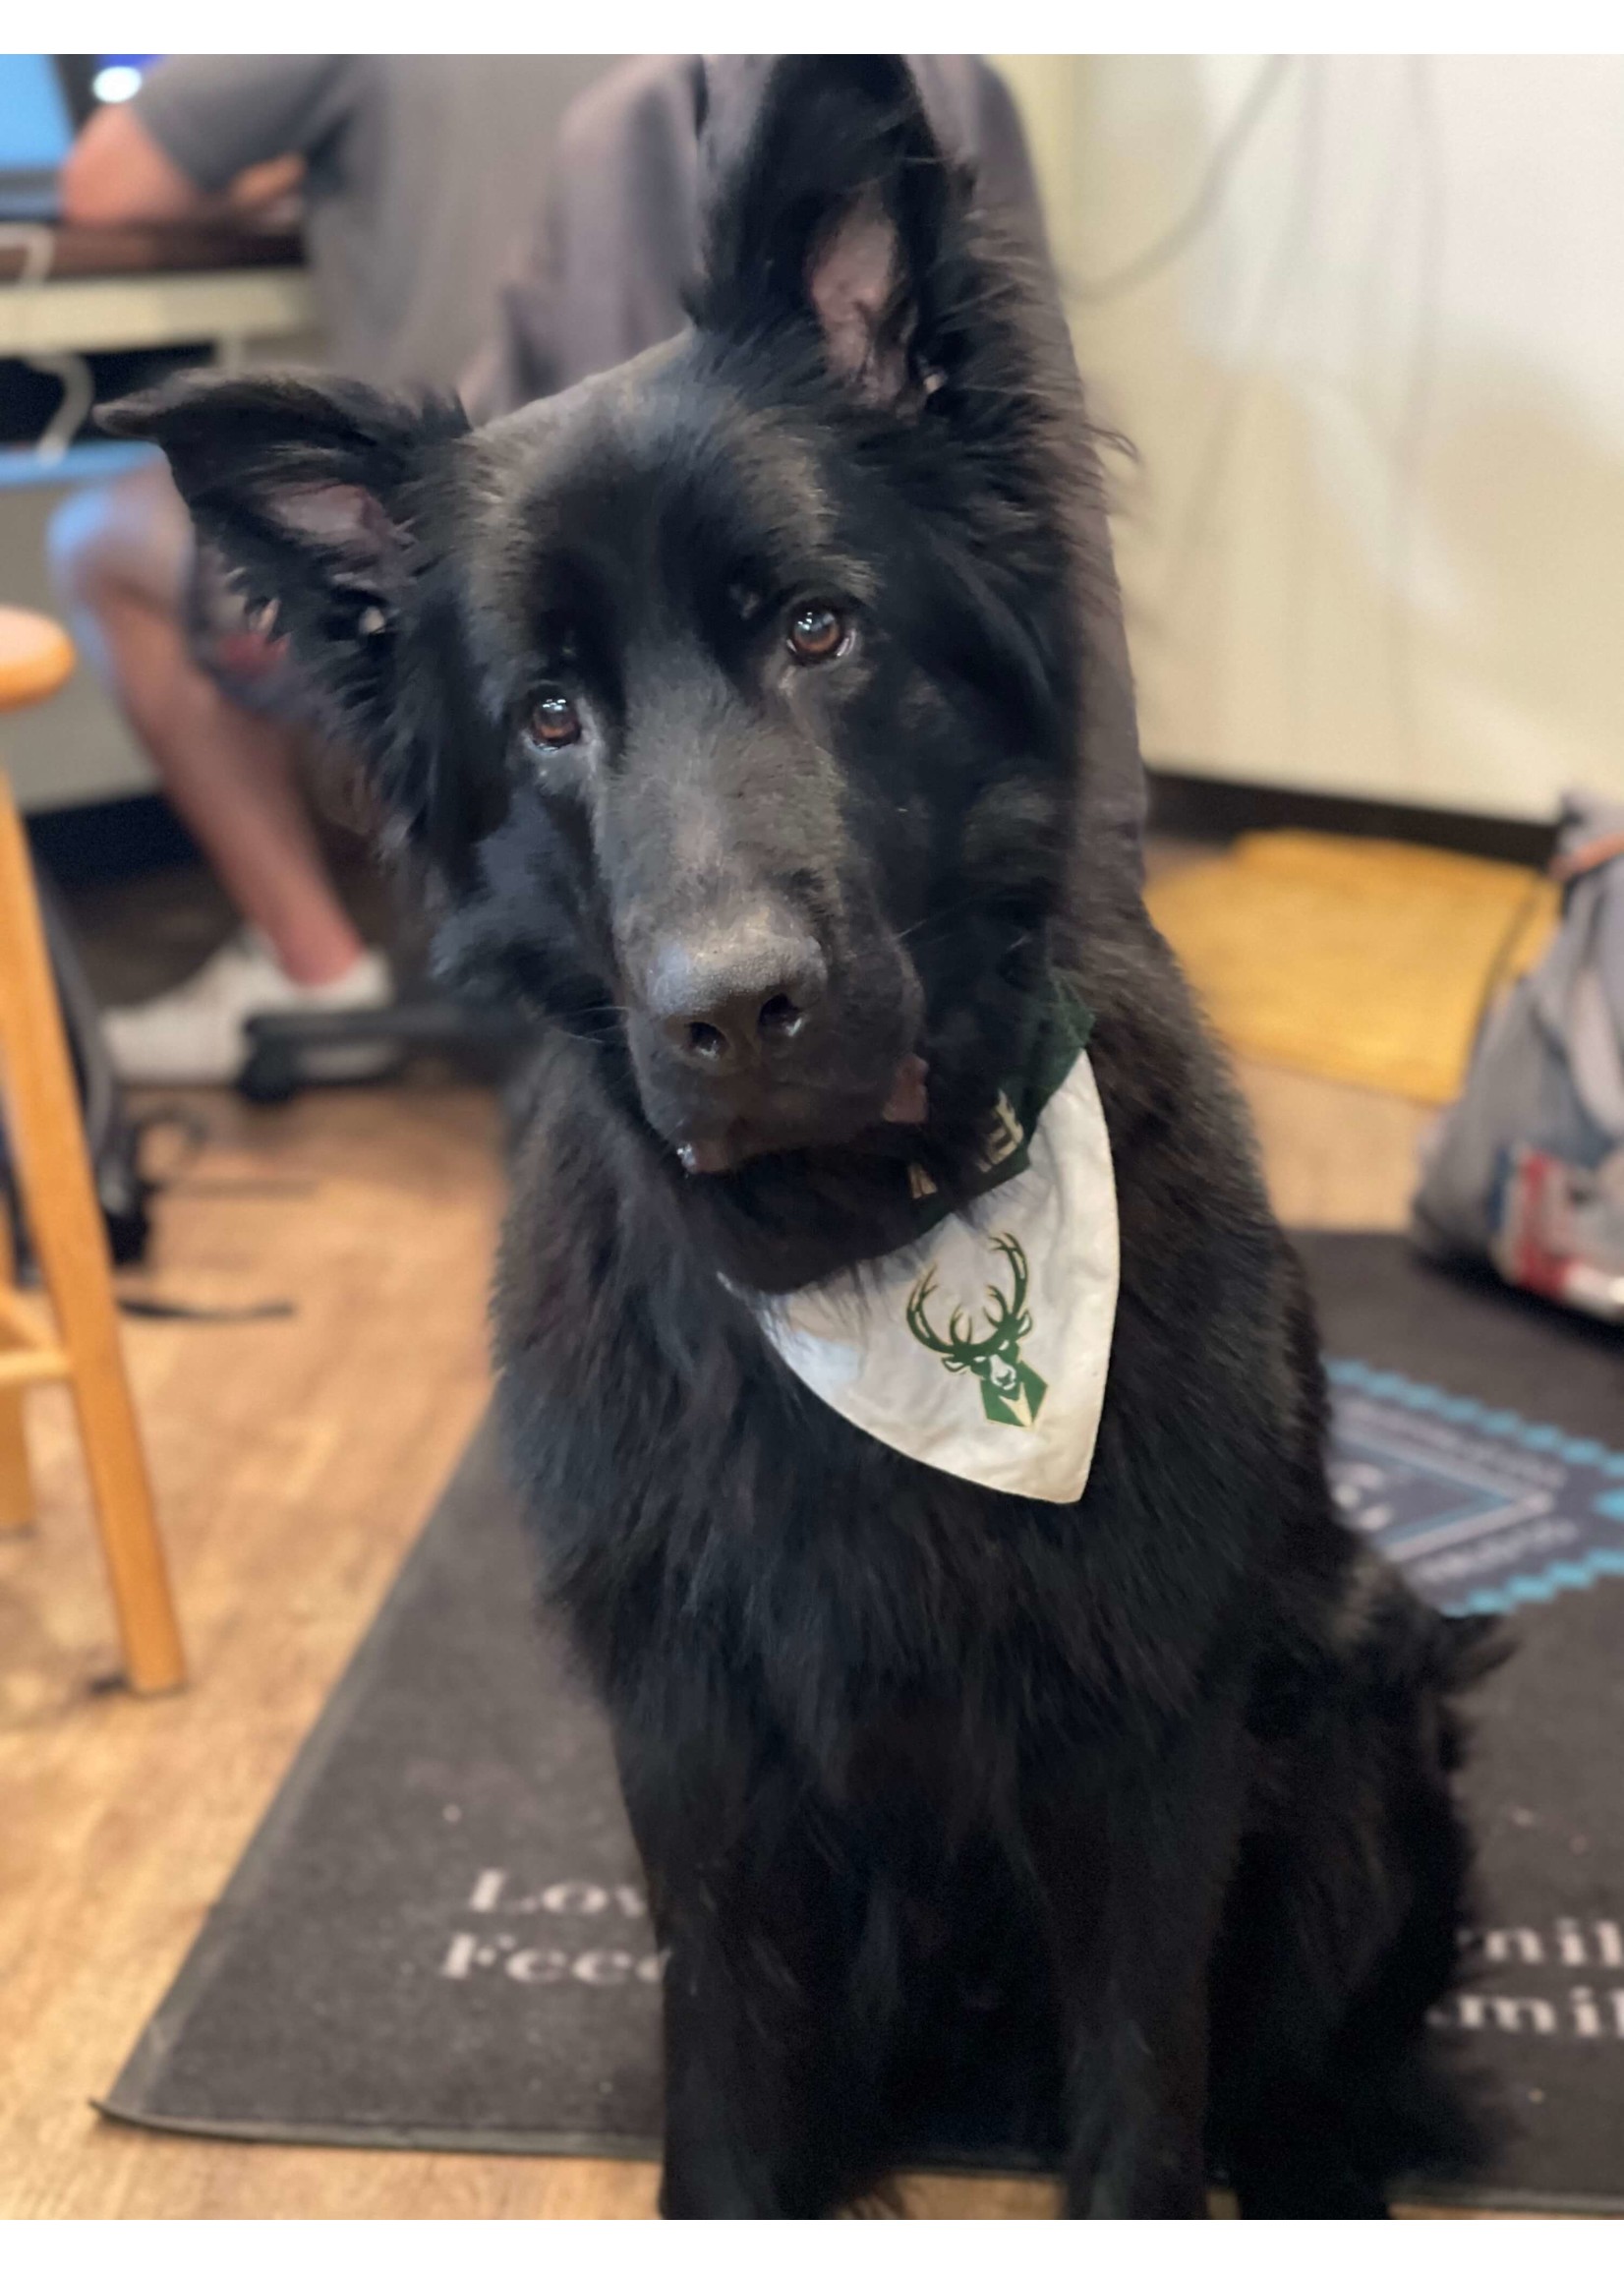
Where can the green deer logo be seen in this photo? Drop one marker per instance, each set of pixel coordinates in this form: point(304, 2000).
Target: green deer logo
point(1010, 1392)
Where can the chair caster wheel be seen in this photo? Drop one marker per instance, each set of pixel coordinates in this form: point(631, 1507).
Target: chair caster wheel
point(271, 1076)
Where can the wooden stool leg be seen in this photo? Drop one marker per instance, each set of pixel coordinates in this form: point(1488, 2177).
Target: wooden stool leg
point(67, 1228)
point(16, 1487)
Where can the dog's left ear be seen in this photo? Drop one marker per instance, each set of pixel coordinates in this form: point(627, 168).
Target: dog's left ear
point(319, 494)
point(841, 213)
point(312, 491)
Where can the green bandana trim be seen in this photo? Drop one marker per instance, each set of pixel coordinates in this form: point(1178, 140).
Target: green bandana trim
point(1057, 1032)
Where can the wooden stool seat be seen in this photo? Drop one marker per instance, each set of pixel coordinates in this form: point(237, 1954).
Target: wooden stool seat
point(35, 657)
point(51, 1169)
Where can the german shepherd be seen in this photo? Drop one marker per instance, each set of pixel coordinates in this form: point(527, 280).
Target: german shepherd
point(730, 705)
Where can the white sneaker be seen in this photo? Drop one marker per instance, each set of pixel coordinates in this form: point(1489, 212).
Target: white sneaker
point(195, 1034)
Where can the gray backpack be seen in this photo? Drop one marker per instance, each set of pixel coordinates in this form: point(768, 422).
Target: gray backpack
point(1526, 1170)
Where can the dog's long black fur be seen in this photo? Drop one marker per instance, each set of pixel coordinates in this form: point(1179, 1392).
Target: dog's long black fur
point(1129, 1820)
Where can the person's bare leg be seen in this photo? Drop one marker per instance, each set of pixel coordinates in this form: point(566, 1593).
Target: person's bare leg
point(232, 779)
point(121, 556)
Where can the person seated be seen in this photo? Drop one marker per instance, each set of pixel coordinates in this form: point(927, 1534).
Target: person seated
point(415, 171)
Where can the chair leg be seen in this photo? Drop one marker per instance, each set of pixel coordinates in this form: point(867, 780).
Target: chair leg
point(16, 1486)
point(70, 1237)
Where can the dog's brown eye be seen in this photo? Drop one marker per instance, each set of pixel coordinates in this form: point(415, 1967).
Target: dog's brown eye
point(555, 722)
point(817, 634)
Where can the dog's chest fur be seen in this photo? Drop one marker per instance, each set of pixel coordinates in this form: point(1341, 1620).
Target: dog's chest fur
point(692, 1497)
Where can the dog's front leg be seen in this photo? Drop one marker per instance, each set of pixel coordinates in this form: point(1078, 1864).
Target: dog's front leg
point(755, 2125)
point(1139, 2105)
point(1135, 1870)
point(771, 2108)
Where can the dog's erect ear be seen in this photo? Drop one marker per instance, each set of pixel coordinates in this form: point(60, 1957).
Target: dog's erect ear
point(311, 491)
point(318, 495)
point(837, 210)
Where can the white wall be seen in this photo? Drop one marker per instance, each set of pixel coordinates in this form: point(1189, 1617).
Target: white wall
point(1375, 540)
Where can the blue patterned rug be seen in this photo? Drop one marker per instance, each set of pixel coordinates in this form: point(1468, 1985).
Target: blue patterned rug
point(1484, 1510)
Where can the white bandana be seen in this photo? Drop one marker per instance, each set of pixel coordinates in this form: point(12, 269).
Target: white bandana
point(982, 1349)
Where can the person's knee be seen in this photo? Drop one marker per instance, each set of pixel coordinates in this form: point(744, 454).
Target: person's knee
point(129, 539)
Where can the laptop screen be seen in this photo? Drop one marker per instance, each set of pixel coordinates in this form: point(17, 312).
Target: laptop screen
point(35, 127)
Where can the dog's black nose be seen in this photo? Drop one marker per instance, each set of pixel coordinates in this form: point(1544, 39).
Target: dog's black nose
point(737, 997)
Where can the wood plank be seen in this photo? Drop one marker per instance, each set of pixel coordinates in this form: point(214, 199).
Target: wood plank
point(294, 1461)
point(21, 1326)
point(19, 1368)
point(16, 1485)
point(1338, 1158)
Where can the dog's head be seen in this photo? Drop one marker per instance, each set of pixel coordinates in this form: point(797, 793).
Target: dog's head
point(731, 697)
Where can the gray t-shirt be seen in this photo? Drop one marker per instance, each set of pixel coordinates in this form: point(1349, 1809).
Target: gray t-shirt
point(422, 169)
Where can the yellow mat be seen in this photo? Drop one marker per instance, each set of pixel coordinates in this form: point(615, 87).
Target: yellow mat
point(1352, 957)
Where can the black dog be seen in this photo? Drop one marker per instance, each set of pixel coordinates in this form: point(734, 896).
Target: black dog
point(733, 704)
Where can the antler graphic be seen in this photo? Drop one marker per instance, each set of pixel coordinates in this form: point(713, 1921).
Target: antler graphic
point(1008, 1321)
point(1011, 1316)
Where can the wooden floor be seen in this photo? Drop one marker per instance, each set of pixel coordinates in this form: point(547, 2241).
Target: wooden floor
point(294, 1461)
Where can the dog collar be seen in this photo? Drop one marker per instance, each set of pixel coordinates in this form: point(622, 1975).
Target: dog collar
point(982, 1348)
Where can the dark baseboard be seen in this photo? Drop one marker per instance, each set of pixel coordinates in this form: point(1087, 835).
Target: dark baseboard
point(1195, 806)
point(122, 837)
point(109, 839)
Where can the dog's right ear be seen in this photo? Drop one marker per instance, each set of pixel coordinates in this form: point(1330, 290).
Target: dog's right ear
point(313, 492)
point(835, 214)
